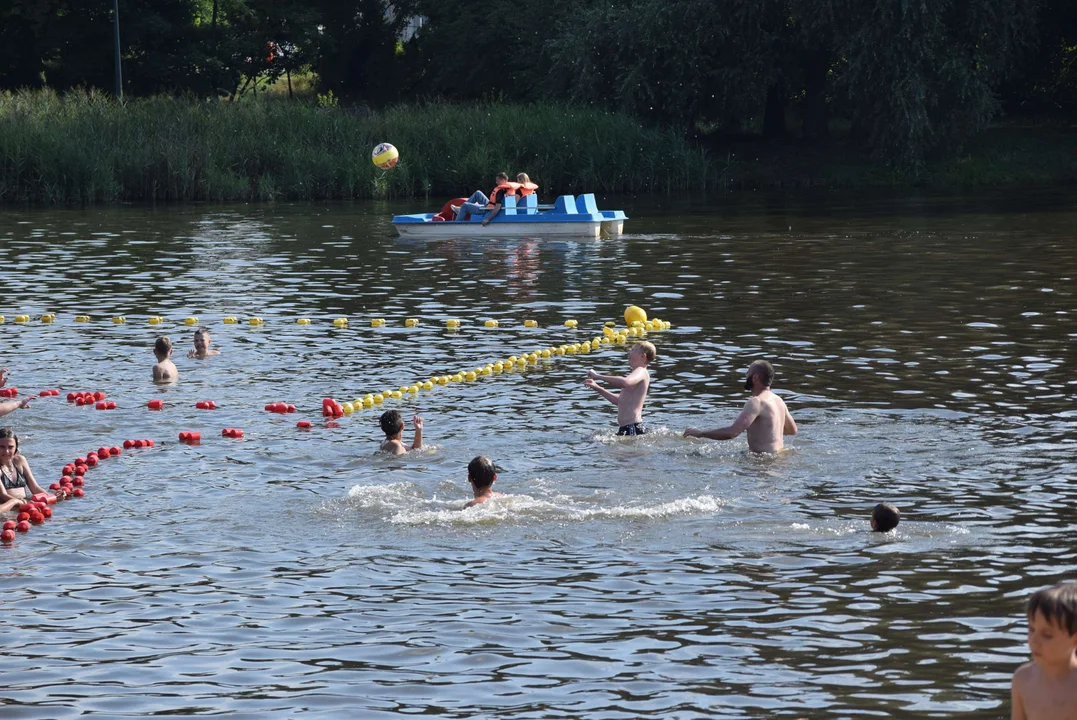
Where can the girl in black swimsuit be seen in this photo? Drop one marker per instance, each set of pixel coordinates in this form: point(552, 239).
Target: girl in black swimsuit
point(16, 480)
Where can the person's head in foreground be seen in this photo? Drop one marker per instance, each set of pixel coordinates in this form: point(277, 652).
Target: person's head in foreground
point(392, 423)
point(760, 372)
point(1052, 624)
point(501, 178)
point(9, 443)
point(641, 354)
point(162, 348)
point(481, 473)
point(885, 517)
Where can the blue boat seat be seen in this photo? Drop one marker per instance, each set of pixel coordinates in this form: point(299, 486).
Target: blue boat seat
point(508, 205)
point(565, 205)
point(529, 204)
point(586, 203)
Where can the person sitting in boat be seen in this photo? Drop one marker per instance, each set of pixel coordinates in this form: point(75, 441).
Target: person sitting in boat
point(526, 186)
point(479, 203)
point(449, 210)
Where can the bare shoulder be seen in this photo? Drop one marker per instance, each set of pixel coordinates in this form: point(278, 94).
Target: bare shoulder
point(1024, 675)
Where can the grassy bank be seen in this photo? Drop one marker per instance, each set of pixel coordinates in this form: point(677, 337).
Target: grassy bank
point(84, 149)
point(79, 148)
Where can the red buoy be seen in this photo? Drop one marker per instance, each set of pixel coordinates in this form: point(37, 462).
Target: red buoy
point(304, 424)
point(23, 526)
point(7, 536)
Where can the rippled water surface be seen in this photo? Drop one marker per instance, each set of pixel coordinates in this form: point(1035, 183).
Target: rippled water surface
point(925, 346)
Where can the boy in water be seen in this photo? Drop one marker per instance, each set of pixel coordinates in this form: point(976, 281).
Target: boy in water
point(201, 345)
point(1046, 688)
point(165, 370)
point(884, 518)
point(392, 424)
point(482, 473)
point(633, 388)
point(11, 405)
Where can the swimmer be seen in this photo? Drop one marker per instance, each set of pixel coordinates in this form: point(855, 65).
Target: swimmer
point(765, 416)
point(633, 387)
point(1046, 688)
point(392, 424)
point(201, 345)
point(11, 406)
point(482, 474)
point(165, 370)
point(884, 518)
point(17, 483)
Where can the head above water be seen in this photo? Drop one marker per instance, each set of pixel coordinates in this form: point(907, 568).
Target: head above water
point(885, 517)
point(392, 423)
point(201, 339)
point(9, 441)
point(761, 369)
point(162, 348)
point(645, 351)
point(1057, 604)
point(481, 472)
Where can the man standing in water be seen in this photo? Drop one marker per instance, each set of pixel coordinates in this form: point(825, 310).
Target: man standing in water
point(765, 416)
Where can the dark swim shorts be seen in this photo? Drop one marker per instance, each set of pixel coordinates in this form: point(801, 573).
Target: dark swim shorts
point(633, 429)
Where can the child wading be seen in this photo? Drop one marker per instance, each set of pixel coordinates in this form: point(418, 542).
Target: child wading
point(633, 387)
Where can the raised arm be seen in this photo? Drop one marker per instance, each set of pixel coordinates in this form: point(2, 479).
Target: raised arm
point(633, 378)
point(418, 423)
point(612, 397)
point(746, 418)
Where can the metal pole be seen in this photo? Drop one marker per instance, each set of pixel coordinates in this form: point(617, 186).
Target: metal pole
point(116, 25)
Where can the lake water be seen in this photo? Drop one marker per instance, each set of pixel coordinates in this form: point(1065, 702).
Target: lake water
point(925, 346)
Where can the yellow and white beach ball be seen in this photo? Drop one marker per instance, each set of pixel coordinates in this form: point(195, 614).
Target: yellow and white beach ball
point(385, 156)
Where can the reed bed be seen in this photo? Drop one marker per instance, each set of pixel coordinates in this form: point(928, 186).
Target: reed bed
point(83, 148)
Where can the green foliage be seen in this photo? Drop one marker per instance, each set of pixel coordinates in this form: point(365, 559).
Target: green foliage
point(82, 148)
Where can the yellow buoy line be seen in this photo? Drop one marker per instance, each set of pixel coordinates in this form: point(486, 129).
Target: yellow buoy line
point(340, 322)
point(611, 335)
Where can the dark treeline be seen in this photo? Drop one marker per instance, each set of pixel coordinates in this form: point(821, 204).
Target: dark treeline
point(904, 79)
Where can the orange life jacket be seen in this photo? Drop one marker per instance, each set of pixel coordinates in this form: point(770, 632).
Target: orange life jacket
point(510, 188)
point(527, 188)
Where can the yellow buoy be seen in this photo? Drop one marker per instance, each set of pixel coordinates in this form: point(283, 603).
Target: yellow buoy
point(256, 321)
point(22, 318)
point(428, 385)
point(231, 320)
point(487, 369)
point(348, 408)
point(303, 321)
point(368, 401)
point(377, 322)
point(585, 347)
point(379, 399)
point(396, 394)
point(156, 320)
point(82, 318)
point(667, 325)
point(634, 314)
point(119, 319)
point(2, 319)
point(546, 353)
point(411, 322)
point(530, 323)
point(610, 324)
point(491, 323)
point(499, 366)
point(607, 330)
point(572, 349)
point(649, 325)
point(571, 323)
point(413, 389)
point(621, 338)
point(633, 331)
point(48, 317)
point(452, 323)
point(340, 322)
point(190, 321)
point(511, 360)
point(470, 375)
point(595, 342)
point(458, 377)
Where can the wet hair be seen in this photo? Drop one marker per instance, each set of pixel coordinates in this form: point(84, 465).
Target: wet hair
point(886, 517)
point(201, 331)
point(523, 178)
point(648, 350)
point(1058, 604)
point(482, 472)
point(764, 370)
point(162, 347)
point(502, 177)
point(391, 422)
point(7, 432)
